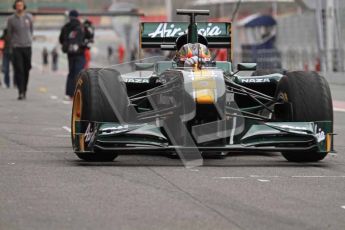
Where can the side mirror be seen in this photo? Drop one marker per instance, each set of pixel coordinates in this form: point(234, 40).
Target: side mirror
point(246, 66)
point(143, 66)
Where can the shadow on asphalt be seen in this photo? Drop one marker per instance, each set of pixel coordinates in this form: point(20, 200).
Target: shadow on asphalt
point(231, 160)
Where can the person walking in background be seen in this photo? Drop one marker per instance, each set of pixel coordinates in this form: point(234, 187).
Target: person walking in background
point(6, 58)
point(121, 53)
point(20, 31)
point(110, 54)
point(55, 59)
point(2, 44)
point(87, 55)
point(89, 34)
point(45, 61)
point(72, 40)
point(134, 52)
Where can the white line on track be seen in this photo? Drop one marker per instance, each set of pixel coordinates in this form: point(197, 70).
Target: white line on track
point(318, 176)
point(229, 177)
point(339, 110)
point(266, 178)
point(262, 180)
point(343, 206)
point(194, 170)
point(66, 128)
point(255, 176)
point(66, 102)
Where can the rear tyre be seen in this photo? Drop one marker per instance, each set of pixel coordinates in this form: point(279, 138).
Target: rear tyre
point(90, 104)
point(311, 100)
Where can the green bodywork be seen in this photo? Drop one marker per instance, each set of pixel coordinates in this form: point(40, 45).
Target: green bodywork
point(162, 66)
point(254, 136)
point(255, 133)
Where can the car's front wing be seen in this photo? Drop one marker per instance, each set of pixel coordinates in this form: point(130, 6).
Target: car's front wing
point(148, 138)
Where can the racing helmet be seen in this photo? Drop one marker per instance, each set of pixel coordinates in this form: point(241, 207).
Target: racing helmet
point(196, 51)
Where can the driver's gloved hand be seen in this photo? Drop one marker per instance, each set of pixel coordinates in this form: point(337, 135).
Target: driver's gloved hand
point(191, 61)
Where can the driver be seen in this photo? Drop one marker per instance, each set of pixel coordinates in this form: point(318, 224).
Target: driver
point(192, 53)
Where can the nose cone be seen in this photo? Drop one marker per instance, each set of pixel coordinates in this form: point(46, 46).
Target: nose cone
point(207, 85)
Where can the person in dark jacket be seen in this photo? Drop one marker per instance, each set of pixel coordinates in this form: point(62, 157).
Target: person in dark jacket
point(45, 61)
point(55, 59)
point(71, 38)
point(110, 54)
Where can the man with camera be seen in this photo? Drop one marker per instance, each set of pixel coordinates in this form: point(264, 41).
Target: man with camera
point(75, 38)
point(72, 40)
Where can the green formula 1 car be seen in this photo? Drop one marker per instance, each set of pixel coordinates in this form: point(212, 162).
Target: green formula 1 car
point(193, 105)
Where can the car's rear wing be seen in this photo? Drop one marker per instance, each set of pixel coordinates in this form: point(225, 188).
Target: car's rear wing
point(156, 34)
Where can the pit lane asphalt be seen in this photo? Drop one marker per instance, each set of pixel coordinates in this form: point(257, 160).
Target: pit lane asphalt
point(44, 186)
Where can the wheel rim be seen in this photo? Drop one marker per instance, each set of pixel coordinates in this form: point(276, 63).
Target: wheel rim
point(77, 111)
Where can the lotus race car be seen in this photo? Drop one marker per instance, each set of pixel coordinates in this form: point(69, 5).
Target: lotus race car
point(192, 105)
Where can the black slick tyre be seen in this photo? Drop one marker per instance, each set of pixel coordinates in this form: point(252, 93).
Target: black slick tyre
point(311, 100)
point(90, 104)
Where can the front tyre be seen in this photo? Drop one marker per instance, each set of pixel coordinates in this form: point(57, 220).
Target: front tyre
point(89, 104)
point(311, 100)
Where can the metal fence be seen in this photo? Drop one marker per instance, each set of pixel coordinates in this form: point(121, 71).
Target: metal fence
point(302, 41)
point(293, 59)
